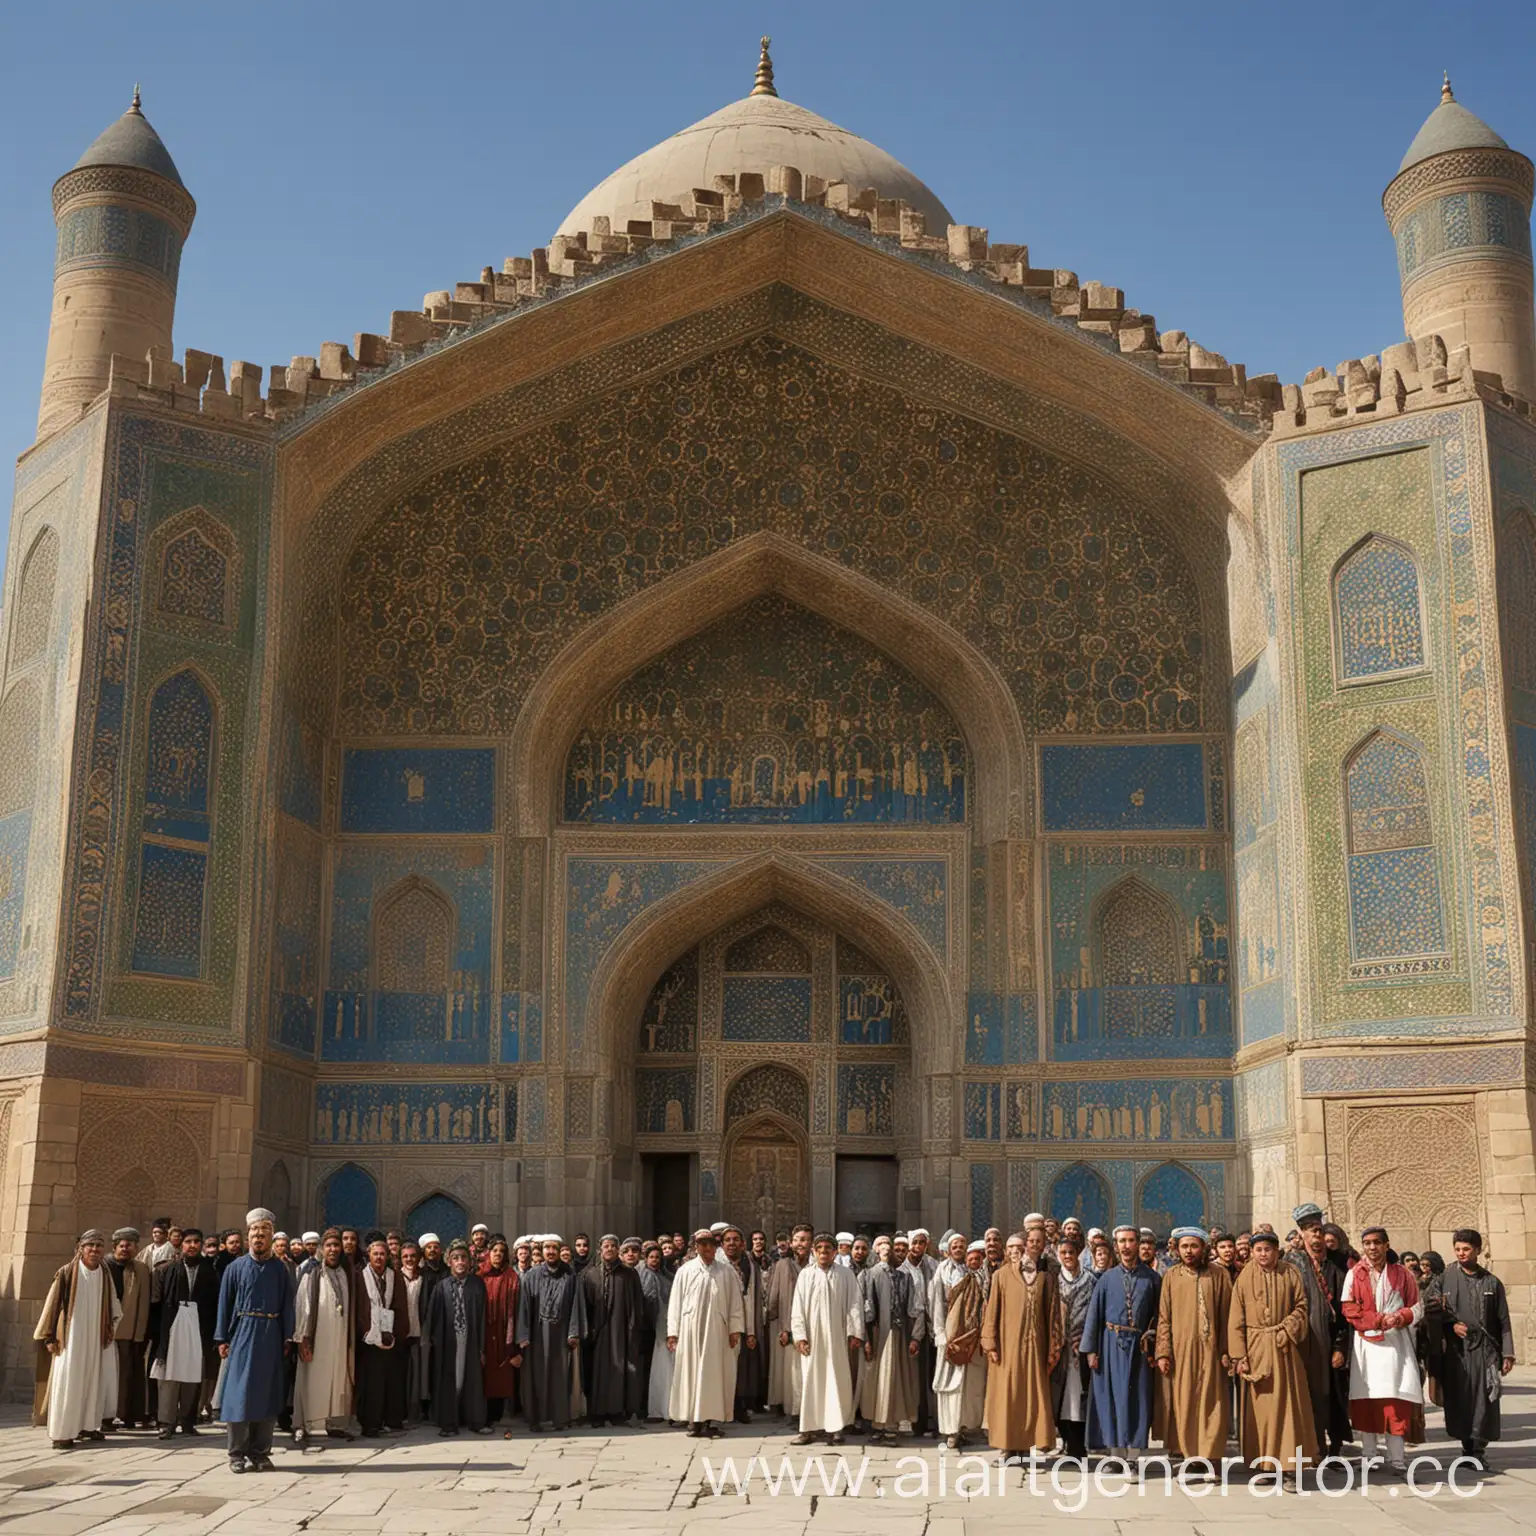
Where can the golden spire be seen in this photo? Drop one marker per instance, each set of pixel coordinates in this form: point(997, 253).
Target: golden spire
point(136, 105)
point(764, 83)
point(1445, 89)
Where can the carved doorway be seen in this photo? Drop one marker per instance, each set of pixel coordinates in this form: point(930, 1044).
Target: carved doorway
point(766, 1174)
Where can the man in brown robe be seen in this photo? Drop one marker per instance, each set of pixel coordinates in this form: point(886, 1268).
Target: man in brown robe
point(778, 1304)
point(1021, 1328)
point(1266, 1337)
point(1192, 1317)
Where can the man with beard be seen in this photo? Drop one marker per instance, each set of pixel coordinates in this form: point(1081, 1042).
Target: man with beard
point(1266, 1333)
point(254, 1326)
point(894, 1317)
point(827, 1324)
point(1118, 1334)
point(614, 1305)
point(1468, 1317)
point(1325, 1352)
point(502, 1284)
point(455, 1330)
point(322, 1388)
point(704, 1326)
point(131, 1281)
point(182, 1354)
point(479, 1246)
point(924, 1265)
point(1021, 1334)
point(956, 1300)
point(1193, 1306)
point(783, 1363)
point(1069, 1381)
point(656, 1282)
point(993, 1238)
point(551, 1319)
point(380, 1324)
point(751, 1375)
point(77, 1371)
point(414, 1286)
point(433, 1270)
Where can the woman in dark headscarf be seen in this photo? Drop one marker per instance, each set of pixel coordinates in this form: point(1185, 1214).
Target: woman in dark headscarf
point(656, 1283)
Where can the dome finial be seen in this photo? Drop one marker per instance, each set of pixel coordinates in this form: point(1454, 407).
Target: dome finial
point(764, 83)
point(136, 105)
point(1445, 88)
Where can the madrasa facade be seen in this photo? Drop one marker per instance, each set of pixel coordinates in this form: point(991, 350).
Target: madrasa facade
point(776, 705)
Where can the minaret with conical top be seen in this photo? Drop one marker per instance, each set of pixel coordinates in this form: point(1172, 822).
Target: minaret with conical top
point(122, 215)
point(1460, 212)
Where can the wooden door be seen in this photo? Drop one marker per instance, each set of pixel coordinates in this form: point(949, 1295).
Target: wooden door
point(765, 1183)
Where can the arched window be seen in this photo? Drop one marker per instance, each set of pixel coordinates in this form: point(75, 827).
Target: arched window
point(1171, 1196)
point(438, 1213)
point(277, 1192)
point(1378, 611)
point(1079, 1191)
point(1394, 867)
point(768, 1087)
point(351, 1198)
point(1137, 935)
point(177, 832)
point(414, 940)
point(19, 727)
point(196, 563)
point(34, 599)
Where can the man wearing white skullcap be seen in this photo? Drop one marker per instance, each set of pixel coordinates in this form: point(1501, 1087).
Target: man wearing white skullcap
point(956, 1299)
point(845, 1249)
point(1122, 1317)
point(256, 1318)
point(923, 1266)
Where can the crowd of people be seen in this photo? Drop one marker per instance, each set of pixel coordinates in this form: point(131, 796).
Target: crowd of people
point(1053, 1341)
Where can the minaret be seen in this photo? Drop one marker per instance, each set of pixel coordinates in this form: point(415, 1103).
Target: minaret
point(122, 215)
point(1460, 212)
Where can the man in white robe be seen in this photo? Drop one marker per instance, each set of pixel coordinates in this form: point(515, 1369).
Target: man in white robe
point(956, 1298)
point(827, 1324)
point(77, 1330)
point(705, 1319)
point(894, 1316)
point(322, 1394)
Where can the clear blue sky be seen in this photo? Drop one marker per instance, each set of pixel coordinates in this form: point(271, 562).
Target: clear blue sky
point(1221, 163)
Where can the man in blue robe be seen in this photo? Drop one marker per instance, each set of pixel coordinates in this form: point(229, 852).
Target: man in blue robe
point(255, 1322)
point(1119, 1334)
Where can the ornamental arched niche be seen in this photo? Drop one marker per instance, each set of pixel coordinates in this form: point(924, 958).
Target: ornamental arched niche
point(654, 941)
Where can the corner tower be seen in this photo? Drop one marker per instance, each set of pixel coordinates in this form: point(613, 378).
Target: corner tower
point(1460, 212)
point(122, 215)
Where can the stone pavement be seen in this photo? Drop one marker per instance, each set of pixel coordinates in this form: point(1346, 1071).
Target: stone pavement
point(653, 1482)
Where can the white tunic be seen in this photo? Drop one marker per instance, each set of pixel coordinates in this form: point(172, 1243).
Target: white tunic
point(323, 1385)
point(82, 1381)
point(960, 1390)
point(828, 1311)
point(1387, 1367)
point(704, 1310)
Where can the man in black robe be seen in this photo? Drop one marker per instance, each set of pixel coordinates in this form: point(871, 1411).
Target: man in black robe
point(751, 1371)
point(550, 1322)
point(614, 1302)
point(381, 1324)
point(189, 1278)
point(631, 1250)
point(1327, 1350)
point(454, 1327)
point(434, 1268)
point(1467, 1318)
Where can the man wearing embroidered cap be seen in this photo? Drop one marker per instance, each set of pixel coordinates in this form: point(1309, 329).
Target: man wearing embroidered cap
point(1266, 1332)
point(1118, 1336)
point(1325, 1351)
point(130, 1279)
point(705, 1321)
point(256, 1319)
point(1192, 1312)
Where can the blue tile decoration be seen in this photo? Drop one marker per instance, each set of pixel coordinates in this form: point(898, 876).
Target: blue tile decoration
point(1261, 1099)
point(427, 998)
point(766, 1008)
point(917, 888)
point(522, 1031)
point(351, 1198)
point(1123, 787)
point(771, 716)
point(1394, 868)
point(770, 1086)
point(1255, 837)
point(1139, 952)
point(771, 949)
point(110, 235)
point(1497, 1066)
point(296, 941)
point(1079, 1191)
point(865, 1099)
point(1378, 613)
point(1141, 1109)
point(983, 1111)
point(1171, 1196)
point(664, 1100)
point(407, 1114)
point(301, 769)
point(671, 1018)
point(1001, 1032)
point(870, 1010)
point(1452, 225)
point(983, 1196)
point(1019, 1111)
point(168, 927)
point(15, 835)
point(441, 1214)
point(425, 789)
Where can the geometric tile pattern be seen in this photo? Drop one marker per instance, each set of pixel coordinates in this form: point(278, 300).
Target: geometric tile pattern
point(1380, 625)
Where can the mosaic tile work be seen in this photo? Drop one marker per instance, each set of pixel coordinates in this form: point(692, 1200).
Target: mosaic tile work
point(571, 516)
point(522, 1027)
point(766, 1008)
point(1458, 224)
point(1255, 836)
point(1377, 611)
point(33, 614)
point(870, 1009)
point(428, 789)
point(19, 732)
point(351, 1198)
point(1081, 1192)
point(296, 939)
point(1394, 867)
point(768, 1087)
point(410, 964)
point(917, 888)
point(1001, 1032)
point(168, 925)
point(865, 1100)
point(407, 1114)
point(105, 235)
point(441, 1214)
point(983, 1195)
point(1135, 787)
point(1261, 1099)
point(1161, 1109)
point(300, 769)
point(671, 1018)
point(1139, 948)
point(773, 715)
point(15, 834)
point(1399, 1071)
point(1171, 1196)
point(982, 1114)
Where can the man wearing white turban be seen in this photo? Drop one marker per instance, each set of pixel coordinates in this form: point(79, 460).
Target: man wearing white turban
point(256, 1319)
